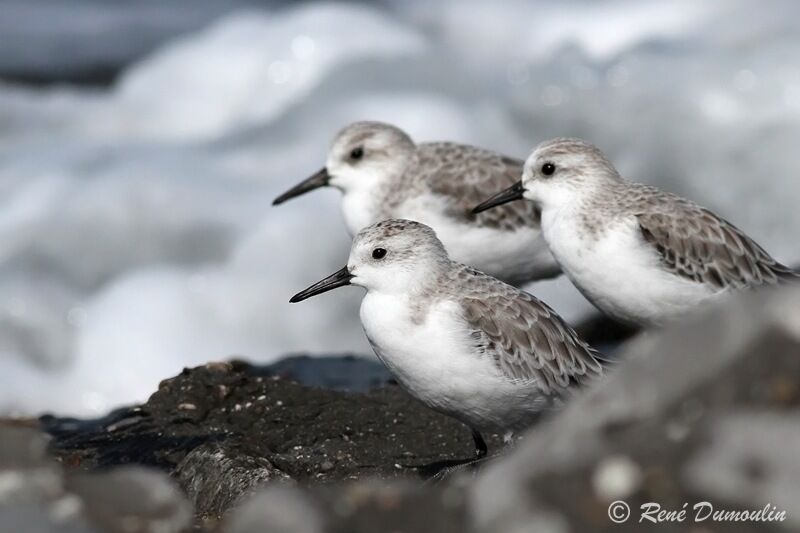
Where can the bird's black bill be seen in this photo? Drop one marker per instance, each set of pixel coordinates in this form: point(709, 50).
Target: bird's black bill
point(514, 192)
point(320, 179)
point(337, 279)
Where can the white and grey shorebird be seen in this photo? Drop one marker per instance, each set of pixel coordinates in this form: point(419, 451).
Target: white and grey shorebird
point(383, 174)
point(640, 254)
point(462, 342)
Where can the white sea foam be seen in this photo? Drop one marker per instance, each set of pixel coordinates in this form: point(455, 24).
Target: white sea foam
point(136, 232)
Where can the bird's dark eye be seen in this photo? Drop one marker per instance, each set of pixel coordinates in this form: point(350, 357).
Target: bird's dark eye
point(548, 169)
point(357, 153)
point(379, 253)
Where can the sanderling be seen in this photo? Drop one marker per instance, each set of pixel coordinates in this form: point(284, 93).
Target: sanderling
point(639, 254)
point(383, 174)
point(462, 342)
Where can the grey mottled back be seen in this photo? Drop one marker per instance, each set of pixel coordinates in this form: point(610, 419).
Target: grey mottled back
point(527, 340)
point(698, 245)
point(465, 175)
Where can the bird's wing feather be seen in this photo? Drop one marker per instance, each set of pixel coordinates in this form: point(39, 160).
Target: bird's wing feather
point(466, 176)
point(698, 245)
point(525, 338)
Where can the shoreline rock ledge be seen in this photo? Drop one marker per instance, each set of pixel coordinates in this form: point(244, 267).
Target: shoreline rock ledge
point(703, 411)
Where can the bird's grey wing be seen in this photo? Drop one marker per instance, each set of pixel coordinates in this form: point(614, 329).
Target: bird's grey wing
point(466, 176)
point(526, 339)
point(696, 244)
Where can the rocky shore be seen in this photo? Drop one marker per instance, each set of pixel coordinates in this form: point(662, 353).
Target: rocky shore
point(703, 413)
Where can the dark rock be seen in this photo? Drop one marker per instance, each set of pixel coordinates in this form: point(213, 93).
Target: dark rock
point(604, 333)
point(703, 411)
point(215, 476)
point(271, 427)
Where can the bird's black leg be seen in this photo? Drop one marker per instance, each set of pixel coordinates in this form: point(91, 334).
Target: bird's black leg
point(480, 445)
point(481, 451)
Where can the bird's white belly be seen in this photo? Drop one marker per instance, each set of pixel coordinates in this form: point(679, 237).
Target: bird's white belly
point(512, 256)
point(432, 360)
point(359, 211)
point(619, 273)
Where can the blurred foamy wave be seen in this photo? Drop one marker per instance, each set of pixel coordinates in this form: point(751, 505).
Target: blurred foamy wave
point(136, 232)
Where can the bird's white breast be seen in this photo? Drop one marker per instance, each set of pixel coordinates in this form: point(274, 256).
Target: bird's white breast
point(512, 256)
point(433, 360)
point(617, 271)
point(360, 208)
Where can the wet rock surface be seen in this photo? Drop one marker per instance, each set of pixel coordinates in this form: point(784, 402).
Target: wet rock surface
point(706, 412)
point(235, 410)
point(223, 430)
point(216, 476)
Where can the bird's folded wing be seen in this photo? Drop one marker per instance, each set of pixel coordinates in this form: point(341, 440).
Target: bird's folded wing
point(696, 244)
point(528, 341)
point(467, 176)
